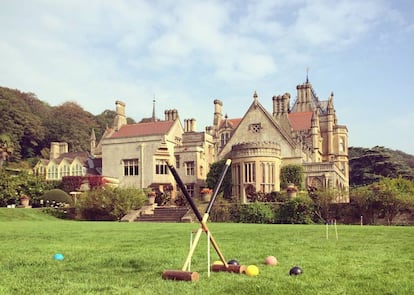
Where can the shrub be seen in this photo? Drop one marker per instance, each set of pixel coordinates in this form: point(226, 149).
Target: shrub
point(180, 200)
point(56, 196)
point(56, 212)
point(220, 212)
point(298, 210)
point(257, 212)
point(291, 174)
point(110, 203)
point(163, 198)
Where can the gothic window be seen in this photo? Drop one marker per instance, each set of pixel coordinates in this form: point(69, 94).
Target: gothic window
point(267, 184)
point(249, 172)
point(189, 168)
point(224, 138)
point(77, 170)
point(65, 170)
point(53, 172)
point(131, 167)
point(255, 128)
point(160, 167)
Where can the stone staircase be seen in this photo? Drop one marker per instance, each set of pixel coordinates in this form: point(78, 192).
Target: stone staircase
point(164, 214)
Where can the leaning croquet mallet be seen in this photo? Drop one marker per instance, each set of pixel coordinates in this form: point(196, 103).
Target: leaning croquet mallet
point(184, 274)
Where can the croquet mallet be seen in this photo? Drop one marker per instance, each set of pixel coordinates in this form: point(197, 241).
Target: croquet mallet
point(184, 274)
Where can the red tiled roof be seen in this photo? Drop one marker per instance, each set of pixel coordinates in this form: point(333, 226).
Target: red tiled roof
point(232, 122)
point(141, 129)
point(300, 120)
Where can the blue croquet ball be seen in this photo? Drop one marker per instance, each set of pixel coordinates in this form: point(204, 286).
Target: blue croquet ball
point(233, 262)
point(296, 270)
point(58, 256)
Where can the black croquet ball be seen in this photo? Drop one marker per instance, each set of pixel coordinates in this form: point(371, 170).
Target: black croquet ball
point(233, 262)
point(296, 270)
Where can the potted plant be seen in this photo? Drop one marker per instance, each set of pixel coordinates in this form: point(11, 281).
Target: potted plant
point(205, 194)
point(24, 201)
point(291, 190)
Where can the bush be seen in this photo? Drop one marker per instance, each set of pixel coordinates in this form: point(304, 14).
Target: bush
point(299, 210)
point(163, 198)
point(220, 212)
point(56, 196)
point(56, 212)
point(110, 203)
point(257, 212)
point(291, 174)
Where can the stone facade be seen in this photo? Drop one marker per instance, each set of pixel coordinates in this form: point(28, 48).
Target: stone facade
point(136, 154)
point(64, 163)
point(260, 143)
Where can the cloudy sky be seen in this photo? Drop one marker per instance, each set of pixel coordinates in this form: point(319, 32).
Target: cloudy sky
point(188, 53)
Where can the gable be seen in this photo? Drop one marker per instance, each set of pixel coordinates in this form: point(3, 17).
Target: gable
point(257, 125)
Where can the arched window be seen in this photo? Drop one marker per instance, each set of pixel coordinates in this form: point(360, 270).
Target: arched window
point(224, 138)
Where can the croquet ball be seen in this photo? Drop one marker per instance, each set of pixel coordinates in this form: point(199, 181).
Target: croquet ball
point(271, 260)
point(296, 270)
point(233, 262)
point(58, 256)
point(218, 262)
point(252, 270)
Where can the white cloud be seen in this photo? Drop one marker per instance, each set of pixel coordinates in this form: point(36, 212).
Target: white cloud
point(190, 52)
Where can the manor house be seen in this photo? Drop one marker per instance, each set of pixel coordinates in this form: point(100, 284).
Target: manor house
point(304, 131)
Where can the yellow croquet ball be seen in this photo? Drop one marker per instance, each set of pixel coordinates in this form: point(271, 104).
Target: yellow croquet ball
point(252, 270)
point(218, 262)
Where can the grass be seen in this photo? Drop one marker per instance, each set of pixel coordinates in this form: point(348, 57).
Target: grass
point(129, 258)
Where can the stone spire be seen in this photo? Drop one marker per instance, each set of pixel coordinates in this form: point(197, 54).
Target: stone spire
point(153, 110)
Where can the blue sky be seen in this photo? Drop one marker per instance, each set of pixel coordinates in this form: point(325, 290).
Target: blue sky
point(188, 53)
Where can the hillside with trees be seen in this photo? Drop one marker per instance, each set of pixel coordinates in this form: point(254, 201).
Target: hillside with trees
point(381, 179)
point(369, 165)
point(28, 125)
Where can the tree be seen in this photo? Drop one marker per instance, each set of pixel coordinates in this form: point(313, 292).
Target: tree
point(368, 166)
point(13, 186)
point(6, 148)
point(110, 203)
point(291, 174)
point(69, 123)
point(322, 199)
point(214, 175)
point(386, 197)
point(24, 128)
point(394, 195)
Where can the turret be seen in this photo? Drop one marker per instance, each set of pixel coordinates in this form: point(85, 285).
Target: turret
point(217, 112)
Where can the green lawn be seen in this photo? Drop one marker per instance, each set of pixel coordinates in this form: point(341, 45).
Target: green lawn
point(129, 258)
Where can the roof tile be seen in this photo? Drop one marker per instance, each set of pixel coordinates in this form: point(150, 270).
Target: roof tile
point(300, 120)
point(142, 129)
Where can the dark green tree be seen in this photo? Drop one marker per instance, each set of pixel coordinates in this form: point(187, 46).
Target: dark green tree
point(291, 174)
point(69, 123)
point(213, 177)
